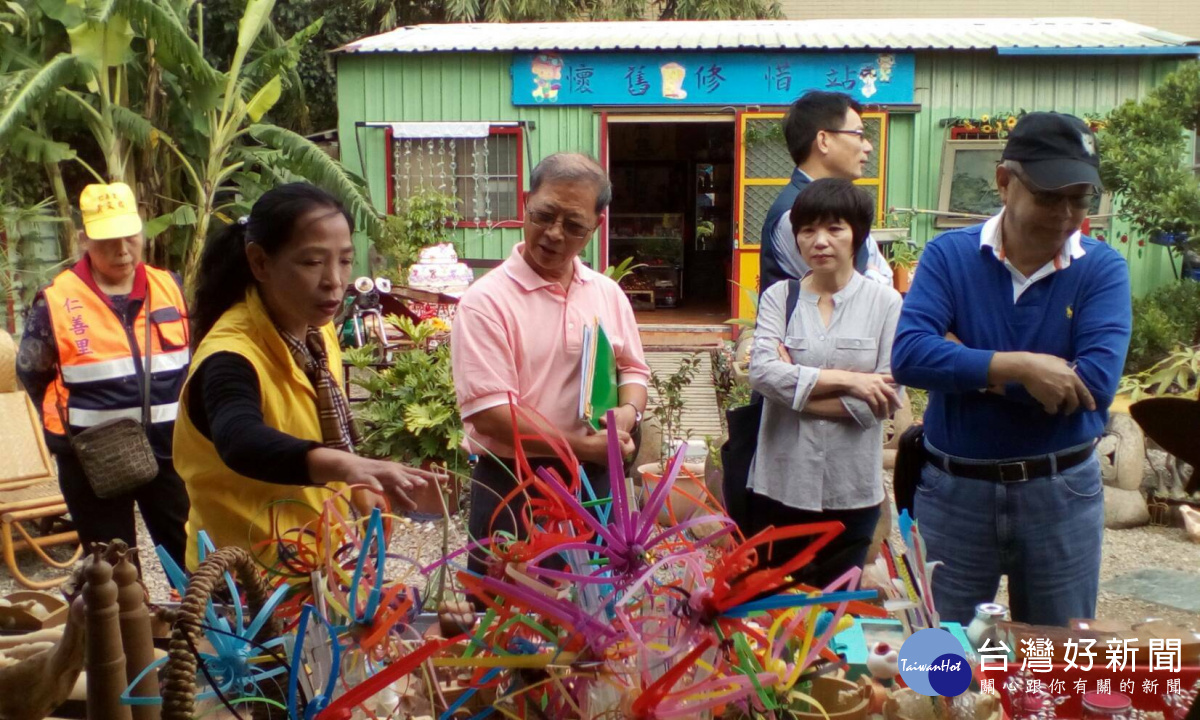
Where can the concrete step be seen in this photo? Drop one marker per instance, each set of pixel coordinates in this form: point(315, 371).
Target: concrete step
point(664, 336)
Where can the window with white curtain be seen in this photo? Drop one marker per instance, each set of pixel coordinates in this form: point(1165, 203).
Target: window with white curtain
point(483, 173)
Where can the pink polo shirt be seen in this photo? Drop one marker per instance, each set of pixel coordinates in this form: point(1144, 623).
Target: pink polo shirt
point(517, 332)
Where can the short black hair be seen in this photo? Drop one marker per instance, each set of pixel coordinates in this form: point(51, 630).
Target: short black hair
point(830, 199)
point(812, 112)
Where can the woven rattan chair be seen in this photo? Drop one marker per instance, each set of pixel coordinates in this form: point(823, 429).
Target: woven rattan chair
point(29, 493)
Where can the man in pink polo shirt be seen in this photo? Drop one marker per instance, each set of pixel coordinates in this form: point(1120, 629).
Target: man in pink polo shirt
point(518, 333)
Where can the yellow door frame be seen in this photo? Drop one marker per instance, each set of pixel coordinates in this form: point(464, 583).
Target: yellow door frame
point(746, 248)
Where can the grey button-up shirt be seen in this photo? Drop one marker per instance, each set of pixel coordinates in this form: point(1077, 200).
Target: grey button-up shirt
point(807, 461)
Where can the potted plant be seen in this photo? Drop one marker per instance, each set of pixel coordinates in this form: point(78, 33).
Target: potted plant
point(745, 334)
point(893, 227)
point(425, 220)
point(905, 256)
point(622, 270)
point(411, 414)
point(668, 414)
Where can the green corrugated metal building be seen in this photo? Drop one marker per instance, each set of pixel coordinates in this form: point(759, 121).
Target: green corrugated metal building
point(685, 117)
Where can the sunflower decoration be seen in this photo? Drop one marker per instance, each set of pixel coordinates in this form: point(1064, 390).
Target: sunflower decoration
point(997, 124)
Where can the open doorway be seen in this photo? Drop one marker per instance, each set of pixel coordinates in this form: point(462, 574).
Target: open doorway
point(672, 211)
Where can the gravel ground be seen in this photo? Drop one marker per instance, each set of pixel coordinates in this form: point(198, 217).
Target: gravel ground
point(1124, 551)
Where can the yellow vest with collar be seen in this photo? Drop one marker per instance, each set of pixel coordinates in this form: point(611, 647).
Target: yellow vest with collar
point(232, 509)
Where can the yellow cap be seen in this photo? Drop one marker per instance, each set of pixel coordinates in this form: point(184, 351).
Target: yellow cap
point(109, 211)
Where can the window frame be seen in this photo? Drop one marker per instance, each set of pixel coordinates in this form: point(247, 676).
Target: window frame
point(493, 130)
point(1196, 154)
point(950, 147)
point(879, 183)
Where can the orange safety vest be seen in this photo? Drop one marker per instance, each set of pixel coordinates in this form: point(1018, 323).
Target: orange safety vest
point(100, 358)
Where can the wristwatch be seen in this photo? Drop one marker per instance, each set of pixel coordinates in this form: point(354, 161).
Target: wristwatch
point(637, 414)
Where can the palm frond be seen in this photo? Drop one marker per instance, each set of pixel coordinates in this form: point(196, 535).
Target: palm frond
point(40, 85)
point(99, 11)
point(282, 57)
point(17, 56)
point(265, 99)
point(131, 126)
point(35, 147)
point(282, 54)
point(304, 158)
point(461, 10)
point(178, 52)
point(256, 16)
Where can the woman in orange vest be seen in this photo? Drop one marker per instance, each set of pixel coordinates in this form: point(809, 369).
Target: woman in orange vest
point(265, 436)
point(82, 361)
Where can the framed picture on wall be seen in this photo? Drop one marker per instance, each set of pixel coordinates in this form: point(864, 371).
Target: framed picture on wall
point(968, 185)
point(968, 182)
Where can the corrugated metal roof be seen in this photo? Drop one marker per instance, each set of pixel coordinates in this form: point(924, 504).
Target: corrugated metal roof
point(919, 34)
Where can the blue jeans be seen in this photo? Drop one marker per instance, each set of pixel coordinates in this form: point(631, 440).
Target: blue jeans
point(1045, 534)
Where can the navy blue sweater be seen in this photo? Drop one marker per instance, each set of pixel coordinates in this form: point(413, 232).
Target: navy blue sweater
point(1081, 313)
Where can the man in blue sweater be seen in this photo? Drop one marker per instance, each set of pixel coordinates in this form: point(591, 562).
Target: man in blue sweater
point(825, 137)
point(1019, 329)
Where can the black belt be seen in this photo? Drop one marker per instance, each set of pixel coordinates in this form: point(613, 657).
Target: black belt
point(1015, 471)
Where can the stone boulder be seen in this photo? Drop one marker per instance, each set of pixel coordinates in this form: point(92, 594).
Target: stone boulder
point(651, 445)
point(714, 475)
point(1124, 509)
point(1122, 452)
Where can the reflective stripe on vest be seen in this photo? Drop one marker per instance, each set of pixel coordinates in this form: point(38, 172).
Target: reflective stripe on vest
point(87, 418)
point(100, 368)
point(123, 367)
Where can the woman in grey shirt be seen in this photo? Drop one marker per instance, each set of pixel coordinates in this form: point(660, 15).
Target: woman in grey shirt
point(824, 374)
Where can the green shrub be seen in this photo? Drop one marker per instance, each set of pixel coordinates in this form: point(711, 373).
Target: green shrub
point(1163, 320)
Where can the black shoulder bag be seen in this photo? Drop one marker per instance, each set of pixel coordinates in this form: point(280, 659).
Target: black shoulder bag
point(743, 422)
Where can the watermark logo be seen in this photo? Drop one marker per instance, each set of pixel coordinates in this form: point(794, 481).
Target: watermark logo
point(932, 663)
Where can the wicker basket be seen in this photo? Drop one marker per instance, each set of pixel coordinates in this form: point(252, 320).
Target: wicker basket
point(179, 674)
point(8, 363)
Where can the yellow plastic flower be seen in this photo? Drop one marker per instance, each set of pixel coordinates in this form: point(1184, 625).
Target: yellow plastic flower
point(1012, 122)
point(986, 129)
point(984, 118)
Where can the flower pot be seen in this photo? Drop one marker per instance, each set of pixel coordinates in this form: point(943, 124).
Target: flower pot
point(429, 498)
point(688, 498)
point(902, 278)
point(839, 698)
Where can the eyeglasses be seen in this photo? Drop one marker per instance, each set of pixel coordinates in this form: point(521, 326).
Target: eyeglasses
point(547, 220)
point(1047, 199)
point(862, 134)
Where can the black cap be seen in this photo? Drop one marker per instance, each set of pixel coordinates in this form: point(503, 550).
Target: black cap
point(1055, 150)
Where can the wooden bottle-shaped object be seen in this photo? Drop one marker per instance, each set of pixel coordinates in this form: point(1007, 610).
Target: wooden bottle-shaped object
point(105, 658)
point(136, 636)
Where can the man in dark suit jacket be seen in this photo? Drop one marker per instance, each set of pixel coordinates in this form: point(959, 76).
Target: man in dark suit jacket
point(824, 133)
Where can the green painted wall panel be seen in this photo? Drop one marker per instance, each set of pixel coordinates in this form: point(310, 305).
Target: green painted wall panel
point(449, 87)
point(970, 85)
point(476, 86)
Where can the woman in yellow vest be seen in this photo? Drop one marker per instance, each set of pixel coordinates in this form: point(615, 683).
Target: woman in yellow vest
point(265, 435)
point(81, 361)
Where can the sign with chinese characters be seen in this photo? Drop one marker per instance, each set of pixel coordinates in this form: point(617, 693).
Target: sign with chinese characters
point(1088, 675)
point(687, 78)
point(79, 327)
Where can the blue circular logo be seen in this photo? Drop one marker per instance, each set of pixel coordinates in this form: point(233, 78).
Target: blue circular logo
point(932, 663)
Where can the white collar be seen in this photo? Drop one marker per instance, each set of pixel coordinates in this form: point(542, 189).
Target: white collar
point(989, 237)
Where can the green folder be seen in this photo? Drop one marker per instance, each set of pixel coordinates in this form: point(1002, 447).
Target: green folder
point(600, 375)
